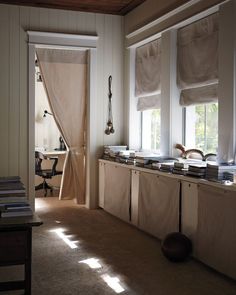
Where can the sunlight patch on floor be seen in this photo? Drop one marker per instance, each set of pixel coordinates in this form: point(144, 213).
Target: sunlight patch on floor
point(112, 282)
point(92, 263)
point(65, 238)
point(40, 203)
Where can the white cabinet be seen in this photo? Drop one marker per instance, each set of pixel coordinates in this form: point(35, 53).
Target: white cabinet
point(216, 231)
point(158, 212)
point(134, 196)
point(150, 200)
point(189, 209)
point(117, 191)
point(101, 184)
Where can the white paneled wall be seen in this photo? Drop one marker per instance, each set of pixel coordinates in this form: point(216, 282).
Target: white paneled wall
point(14, 22)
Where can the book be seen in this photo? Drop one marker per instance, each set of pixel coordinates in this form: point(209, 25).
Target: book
point(17, 213)
point(11, 191)
point(7, 179)
point(13, 199)
point(181, 165)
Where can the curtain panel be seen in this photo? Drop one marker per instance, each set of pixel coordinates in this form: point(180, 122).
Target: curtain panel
point(216, 230)
point(148, 75)
point(117, 191)
point(158, 210)
point(197, 61)
point(64, 74)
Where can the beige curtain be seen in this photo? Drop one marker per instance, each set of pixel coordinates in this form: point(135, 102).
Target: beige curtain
point(117, 191)
point(158, 212)
point(148, 75)
point(216, 231)
point(197, 61)
point(64, 74)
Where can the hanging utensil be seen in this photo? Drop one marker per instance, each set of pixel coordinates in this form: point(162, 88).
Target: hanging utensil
point(109, 128)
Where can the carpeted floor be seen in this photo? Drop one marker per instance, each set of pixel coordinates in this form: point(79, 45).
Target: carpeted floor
point(125, 258)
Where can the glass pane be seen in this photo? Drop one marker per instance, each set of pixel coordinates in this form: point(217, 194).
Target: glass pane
point(202, 127)
point(211, 128)
point(151, 129)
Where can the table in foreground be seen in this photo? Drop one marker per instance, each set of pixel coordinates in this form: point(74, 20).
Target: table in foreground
point(16, 248)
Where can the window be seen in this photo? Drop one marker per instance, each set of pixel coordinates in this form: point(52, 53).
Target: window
point(151, 130)
point(148, 92)
point(201, 127)
point(197, 79)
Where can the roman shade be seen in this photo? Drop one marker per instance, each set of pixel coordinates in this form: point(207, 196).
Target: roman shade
point(197, 61)
point(148, 75)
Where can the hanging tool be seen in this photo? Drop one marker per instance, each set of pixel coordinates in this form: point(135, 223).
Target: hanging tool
point(109, 129)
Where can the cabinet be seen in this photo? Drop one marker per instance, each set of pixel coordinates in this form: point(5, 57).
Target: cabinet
point(101, 184)
point(158, 212)
point(151, 201)
point(117, 193)
point(134, 196)
point(215, 240)
point(189, 209)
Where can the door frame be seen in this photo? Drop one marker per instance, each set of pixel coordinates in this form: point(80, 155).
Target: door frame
point(64, 41)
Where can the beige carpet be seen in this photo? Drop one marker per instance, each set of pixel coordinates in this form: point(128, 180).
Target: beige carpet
point(125, 256)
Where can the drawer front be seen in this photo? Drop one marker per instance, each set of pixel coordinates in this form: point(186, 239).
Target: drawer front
point(13, 246)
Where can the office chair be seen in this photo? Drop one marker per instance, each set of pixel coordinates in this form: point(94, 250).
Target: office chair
point(45, 173)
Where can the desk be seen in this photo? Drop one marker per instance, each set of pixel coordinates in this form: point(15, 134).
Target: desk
point(55, 181)
point(54, 153)
point(16, 248)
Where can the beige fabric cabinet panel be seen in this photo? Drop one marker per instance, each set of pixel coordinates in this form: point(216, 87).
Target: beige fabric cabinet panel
point(189, 209)
point(117, 191)
point(158, 212)
point(216, 231)
point(101, 184)
point(134, 196)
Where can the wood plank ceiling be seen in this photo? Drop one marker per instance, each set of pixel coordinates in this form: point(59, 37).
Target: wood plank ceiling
point(119, 7)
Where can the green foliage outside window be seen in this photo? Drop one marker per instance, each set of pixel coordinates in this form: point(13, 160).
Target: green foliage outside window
point(155, 129)
point(206, 127)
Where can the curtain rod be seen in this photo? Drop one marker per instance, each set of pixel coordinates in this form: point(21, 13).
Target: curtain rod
point(65, 47)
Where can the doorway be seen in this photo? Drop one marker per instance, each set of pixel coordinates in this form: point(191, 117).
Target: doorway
point(48, 143)
point(64, 41)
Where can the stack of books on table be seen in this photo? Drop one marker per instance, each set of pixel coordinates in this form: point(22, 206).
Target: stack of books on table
point(197, 170)
point(13, 200)
point(220, 172)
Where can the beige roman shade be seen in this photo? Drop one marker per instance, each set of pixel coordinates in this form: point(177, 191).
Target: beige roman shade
point(197, 61)
point(148, 75)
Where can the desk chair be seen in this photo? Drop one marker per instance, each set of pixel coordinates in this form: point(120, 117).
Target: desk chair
point(45, 173)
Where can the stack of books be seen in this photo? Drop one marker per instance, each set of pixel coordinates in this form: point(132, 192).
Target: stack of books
point(143, 159)
point(180, 168)
point(13, 200)
point(112, 151)
point(126, 157)
point(197, 170)
point(167, 167)
point(220, 172)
